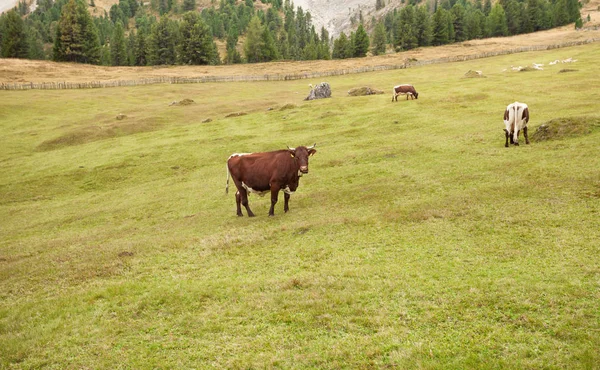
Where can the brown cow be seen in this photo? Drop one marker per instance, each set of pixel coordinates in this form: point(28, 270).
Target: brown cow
point(405, 90)
point(270, 171)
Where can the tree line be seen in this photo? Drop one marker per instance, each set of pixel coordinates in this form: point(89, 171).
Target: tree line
point(460, 20)
point(174, 32)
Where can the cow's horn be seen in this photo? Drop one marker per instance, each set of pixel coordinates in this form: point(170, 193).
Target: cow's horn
point(311, 147)
point(290, 148)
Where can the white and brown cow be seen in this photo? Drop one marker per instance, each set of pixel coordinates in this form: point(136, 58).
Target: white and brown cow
point(516, 117)
point(408, 90)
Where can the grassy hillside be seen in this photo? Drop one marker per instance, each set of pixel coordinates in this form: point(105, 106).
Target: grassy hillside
point(417, 239)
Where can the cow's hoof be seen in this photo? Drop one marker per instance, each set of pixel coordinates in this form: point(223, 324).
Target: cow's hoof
point(240, 215)
point(270, 215)
point(516, 144)
point(506, 145)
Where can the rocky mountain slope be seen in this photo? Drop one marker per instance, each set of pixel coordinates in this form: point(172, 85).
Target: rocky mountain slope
point(336, 15)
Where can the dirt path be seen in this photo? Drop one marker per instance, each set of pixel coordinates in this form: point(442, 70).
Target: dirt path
point(23, 71)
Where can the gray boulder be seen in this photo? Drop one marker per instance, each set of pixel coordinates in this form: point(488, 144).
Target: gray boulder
point(320, 91)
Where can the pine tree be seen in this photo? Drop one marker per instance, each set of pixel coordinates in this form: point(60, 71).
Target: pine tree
point(487, 7)
point(440, 27)
point(189, 5)
point(161, 42)
point(76, 35)
point(139, 54)
point(496, 22)
point(361, 43)
point(406, 38)
point(342, 47)
point(197, 45)
point(260, 45)
point(118, 52)
point(474, 23)
point(514, 16)
point(379, 42)
point(15, 43)
point(423, 26)
point(458, 22)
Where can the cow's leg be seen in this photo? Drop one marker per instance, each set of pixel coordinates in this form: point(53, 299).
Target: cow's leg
point(286, 198)
point(525, 134)
point(244, 199)
point(506, 134)
point(274, 196)
point(517, 137)
point(238, 201)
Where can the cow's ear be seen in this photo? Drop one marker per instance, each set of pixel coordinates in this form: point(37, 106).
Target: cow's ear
point(312, 152)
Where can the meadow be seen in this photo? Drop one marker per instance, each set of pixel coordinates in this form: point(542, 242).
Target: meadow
point(416, 241)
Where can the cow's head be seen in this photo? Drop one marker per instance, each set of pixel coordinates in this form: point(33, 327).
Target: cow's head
point(416, 94)
point(301, 154)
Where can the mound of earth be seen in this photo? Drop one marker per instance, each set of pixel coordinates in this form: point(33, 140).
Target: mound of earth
point(565, 127)
point(238, 114)
point(182, 102)
point(528, 69)
point(288, 106)
point(474, 74)
point(565, 70)
point(361, 91)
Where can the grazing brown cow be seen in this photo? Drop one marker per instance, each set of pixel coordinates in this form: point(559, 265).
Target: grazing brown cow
point(516, 117)
point(263, 172)
point(405, 90)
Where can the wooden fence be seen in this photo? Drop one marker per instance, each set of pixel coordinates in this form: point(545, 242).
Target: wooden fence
point(276, 77)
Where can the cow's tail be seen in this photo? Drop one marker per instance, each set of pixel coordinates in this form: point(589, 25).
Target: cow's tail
point(227, 185)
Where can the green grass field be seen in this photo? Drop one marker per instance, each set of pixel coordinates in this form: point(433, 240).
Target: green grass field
point(416, 241)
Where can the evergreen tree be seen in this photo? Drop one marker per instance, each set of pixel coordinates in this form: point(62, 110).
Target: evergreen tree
point(161, 42)
point(105, 55)
point(496, 22)
point(534, 16)
point(423, 26)
point(561, 14)
point(406, 37)
point(514, 16)
point(440, 27)
point(458, 22)
point(259, 46)
point(342, 47)
point(36, 45)
point(197, 45)
point(487, 7)
point(379, 4)
point(379, 40)
point(139, 54)
point(76, 35)
point(118, 52)
point(573, 9)
point(15, 43)
point(189, 5)
point(475, 24)
point(361, 42)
